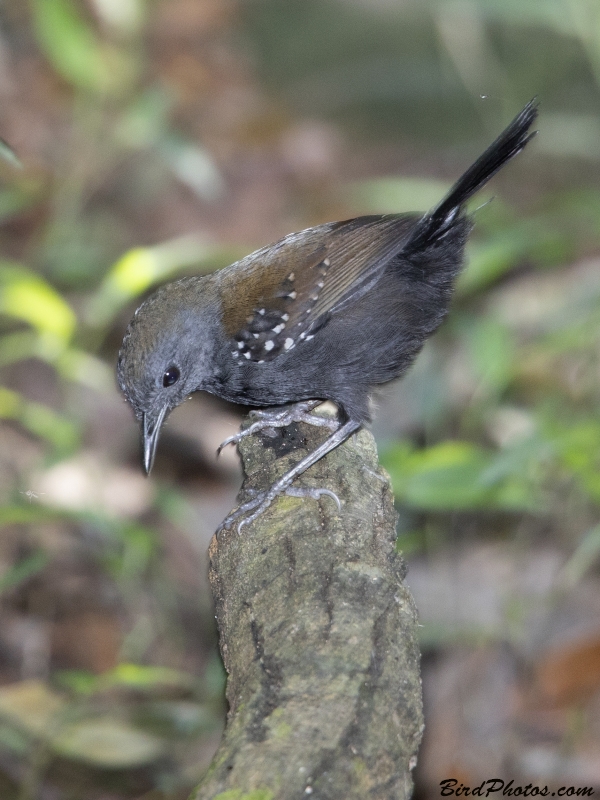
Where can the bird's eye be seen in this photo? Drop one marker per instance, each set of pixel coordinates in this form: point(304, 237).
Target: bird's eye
point(171, 376)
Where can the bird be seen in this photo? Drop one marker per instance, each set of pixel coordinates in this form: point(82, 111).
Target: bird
point(327, 313)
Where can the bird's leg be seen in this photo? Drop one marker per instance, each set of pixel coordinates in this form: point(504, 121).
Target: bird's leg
point(263, 500)
point(298, 412)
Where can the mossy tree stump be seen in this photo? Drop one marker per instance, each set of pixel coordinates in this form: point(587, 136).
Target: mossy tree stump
point(317, 633)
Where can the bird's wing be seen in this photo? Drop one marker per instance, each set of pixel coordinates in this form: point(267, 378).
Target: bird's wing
point(283, 294)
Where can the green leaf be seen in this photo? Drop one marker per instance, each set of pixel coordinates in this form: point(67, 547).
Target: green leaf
point(77, 365)
point(493, 353)
point(239, 794)
point(194, 167)
point(10, 404)
point(26, 514)
point(145, 121)
point(107, 743)
point(9, 155)
point(35, 710)
point(139, 269)
point(574, 135)
point(487, 261)
point(31, 706)
point(13, 201)
point(26, 296)
point(585, 556)
point(577, 445)
point(534, 13)
point(138, 546)
point(73, 47)
point(140, 676)
point(177, 718)
point(215, 678)
point(23, 570)
point(14, 740)
point(40, 420)
point(397, 195)
point(77, 680)
point(18, 346)
point(454, 475)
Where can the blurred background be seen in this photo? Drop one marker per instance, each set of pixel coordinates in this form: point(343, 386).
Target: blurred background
point(147, 139)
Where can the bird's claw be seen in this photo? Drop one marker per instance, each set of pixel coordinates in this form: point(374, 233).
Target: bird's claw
point(229, 440)
point(263, 500)
point(300, 412)
point(296, 491)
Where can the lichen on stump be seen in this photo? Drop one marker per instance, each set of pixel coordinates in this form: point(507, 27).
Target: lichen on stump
point(317, 633)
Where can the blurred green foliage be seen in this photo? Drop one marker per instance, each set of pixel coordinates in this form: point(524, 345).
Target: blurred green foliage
point(505, 400)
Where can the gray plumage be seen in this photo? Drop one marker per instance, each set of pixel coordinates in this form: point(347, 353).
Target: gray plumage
point(327, 313)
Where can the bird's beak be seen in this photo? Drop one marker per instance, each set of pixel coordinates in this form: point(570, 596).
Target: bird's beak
point(150, 434)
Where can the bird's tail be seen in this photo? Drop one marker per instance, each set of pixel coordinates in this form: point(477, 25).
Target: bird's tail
point(436, 223)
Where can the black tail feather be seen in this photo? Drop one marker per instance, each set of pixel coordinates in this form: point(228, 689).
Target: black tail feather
point(511, 141)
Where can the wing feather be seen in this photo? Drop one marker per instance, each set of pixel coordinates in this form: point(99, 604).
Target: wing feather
point(280, 295)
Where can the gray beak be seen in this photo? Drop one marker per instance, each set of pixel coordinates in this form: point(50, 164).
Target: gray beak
point(150, 434)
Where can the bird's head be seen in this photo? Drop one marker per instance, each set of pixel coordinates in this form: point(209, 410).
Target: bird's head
point(167, 354)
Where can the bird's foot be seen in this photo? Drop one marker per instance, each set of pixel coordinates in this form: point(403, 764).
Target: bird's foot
point(314, 493)
point(263, 500)
point(299, 412)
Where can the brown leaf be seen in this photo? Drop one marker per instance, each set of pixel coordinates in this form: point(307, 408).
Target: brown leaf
point(570, 673)
point(90, 640)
